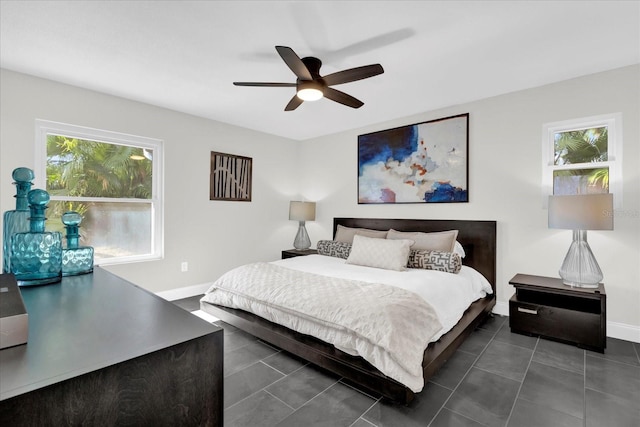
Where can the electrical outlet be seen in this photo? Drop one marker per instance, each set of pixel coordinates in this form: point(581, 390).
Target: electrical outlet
point(184, 266)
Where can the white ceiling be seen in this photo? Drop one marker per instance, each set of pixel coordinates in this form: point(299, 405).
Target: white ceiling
point(184, 55)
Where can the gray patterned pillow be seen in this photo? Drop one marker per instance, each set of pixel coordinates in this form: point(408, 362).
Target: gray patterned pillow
point(333, 248)
point(449, 262)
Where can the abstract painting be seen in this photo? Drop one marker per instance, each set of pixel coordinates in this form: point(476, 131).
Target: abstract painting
point(230, 177)
point(421, 163)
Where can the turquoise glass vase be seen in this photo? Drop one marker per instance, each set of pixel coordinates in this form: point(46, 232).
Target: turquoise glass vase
point(36, 255)
point(76, 259)
point(16, 221)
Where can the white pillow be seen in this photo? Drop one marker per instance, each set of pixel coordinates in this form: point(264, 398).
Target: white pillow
point(380, 253)
point(436, 241)
point(459, 250)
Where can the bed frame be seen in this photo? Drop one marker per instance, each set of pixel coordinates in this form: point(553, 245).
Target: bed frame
point(478, 239)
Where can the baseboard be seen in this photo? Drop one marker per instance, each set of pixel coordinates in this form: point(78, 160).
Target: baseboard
point(186, 292)
point(501, 308)
point(621, 331)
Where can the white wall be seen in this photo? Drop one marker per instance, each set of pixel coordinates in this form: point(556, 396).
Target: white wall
point(505, 176)
point(504, 184)
point(212, 236)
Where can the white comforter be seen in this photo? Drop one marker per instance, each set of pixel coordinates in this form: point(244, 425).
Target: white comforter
point(449, 294)
point(394, 344)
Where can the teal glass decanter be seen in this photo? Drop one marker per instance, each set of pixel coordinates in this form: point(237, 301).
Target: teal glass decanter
point(36, 255)
point(76, 259)
point(16, 221)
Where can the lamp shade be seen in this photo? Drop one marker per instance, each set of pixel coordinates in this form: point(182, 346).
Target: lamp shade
point(302, 211)
point(309, 90)
point(581, 212)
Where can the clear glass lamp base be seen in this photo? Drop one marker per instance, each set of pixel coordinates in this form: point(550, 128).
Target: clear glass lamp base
point(580, 268)
point(302, 241)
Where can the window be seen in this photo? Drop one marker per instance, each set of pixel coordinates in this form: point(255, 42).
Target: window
point(583, 156)
point(113, 180)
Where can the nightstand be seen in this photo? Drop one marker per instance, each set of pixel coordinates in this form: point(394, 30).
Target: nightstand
point(547, 307)
point(290, 253)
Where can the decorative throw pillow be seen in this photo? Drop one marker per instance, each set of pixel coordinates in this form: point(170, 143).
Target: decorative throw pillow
point(449, 262)
point(333, 248)
point(380, 253)
point(345, 234)
point(437, 241)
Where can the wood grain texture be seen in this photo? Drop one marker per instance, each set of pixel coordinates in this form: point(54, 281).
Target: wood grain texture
point(103, 351)
point(179, 386)
point(544, 306)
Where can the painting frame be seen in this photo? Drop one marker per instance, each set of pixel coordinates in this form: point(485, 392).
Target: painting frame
point(424, 162)
point(231, 177)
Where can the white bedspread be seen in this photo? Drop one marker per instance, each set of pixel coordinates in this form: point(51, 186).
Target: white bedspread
point(292, 293)
point(449, 294)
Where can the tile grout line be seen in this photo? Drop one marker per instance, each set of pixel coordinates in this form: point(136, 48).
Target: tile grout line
point(551, 365)
point(358, 390)
point(278, 370)
point(526, 372)
point(278, 399)
point(366, 421)
point(584, 389)
point(308, 401)
point(603, 357)
point(257, 391)
point(361, 416)
point(464, 376)
point(269, 385)
point(625, 358)
point(249, 365)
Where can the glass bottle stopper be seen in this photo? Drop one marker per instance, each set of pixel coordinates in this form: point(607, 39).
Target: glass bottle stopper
point(38, 200)
point(22, 175)
point(22, 178)
point(71, 221)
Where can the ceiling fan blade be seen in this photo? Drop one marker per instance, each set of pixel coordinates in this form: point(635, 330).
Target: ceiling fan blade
point(342, 98)
point(353, 74)
point(294, 62)
point(264, 84)
point(293, 104)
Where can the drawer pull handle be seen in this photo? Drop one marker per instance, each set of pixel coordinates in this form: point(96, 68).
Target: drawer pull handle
point(527, 310)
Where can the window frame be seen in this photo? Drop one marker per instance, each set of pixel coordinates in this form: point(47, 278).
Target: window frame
point(46, 127)
point(613, 122)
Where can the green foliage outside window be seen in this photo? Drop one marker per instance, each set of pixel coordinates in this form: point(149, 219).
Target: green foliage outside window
point(585, 146)
point(81, 168)
point(581, 146)
point(78, 169)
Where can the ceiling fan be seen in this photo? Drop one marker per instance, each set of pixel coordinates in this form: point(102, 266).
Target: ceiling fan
point(310, 86)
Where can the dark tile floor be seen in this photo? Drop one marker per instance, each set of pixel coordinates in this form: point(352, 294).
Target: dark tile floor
point(496, 378)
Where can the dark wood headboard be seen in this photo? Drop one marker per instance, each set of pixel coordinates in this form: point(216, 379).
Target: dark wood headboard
point(478, 238)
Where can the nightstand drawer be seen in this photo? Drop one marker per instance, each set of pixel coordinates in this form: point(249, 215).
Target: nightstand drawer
point(565, 324)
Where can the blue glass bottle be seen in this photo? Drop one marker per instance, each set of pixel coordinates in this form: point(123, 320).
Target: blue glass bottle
point(16, 221)
point(36, 255)
point(75, 259)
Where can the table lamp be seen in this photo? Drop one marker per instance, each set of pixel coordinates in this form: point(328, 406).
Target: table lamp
point(581, 213)
point(301, 212)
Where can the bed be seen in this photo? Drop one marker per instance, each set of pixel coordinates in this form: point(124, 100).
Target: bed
point(478, 238)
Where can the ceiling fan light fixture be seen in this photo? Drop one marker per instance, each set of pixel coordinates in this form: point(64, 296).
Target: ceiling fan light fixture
point(311, 86)
point(309, 91)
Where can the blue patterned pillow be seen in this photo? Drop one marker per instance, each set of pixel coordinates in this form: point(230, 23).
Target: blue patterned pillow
point(333, 248)
point(449, 262)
